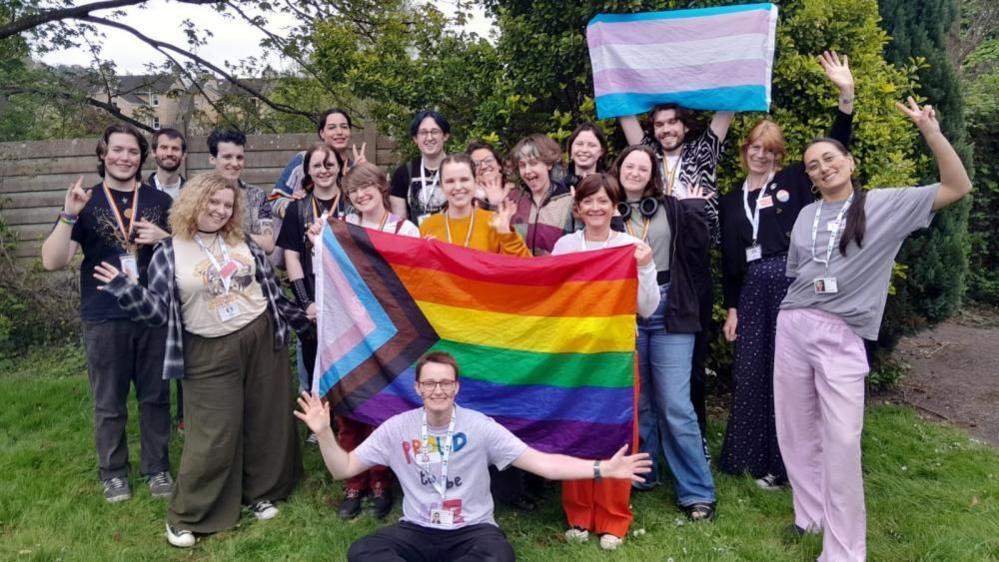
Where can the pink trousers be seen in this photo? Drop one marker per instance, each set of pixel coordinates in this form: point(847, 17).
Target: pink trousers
point(819, 371)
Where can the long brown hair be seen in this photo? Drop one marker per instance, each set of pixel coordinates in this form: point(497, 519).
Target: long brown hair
point(655, 186)
point(856, 216)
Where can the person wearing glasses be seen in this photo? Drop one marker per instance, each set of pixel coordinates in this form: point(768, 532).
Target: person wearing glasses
point(440, 453)
point(416, 189)
point(491, 184)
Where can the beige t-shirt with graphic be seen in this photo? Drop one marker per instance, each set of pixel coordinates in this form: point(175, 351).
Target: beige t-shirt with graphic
point(208, 310)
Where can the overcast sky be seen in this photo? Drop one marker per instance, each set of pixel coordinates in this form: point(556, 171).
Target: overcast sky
point(233, 39)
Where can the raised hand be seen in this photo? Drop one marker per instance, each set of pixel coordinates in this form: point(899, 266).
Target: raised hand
point(500, 221)
point(643, 254)
point(626, 467)
point(148, 233)
point(314, 412)
point(76, 197)
point(698, 192)
point(359, 155)
point(314, 230)
point(838, 70)
point(924, 117)
point(496, 191)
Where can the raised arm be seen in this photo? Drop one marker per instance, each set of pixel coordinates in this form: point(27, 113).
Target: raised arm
point(59, 248)
point(633, 132)
point(316, 414)
point(954, 180)
point(720, 123)
point(564, 467)
point(838, 71)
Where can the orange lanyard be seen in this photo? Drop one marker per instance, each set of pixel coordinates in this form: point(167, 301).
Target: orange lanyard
point(130, 214)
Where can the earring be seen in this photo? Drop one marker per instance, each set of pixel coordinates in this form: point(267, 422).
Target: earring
point(815, 190)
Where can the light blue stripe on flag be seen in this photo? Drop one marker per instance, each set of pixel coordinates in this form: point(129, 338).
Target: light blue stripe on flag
point(677, 14)
point(734, 98)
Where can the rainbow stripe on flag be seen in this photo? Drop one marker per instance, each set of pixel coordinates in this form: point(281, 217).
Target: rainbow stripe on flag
point(707, 58)
point(546, 345)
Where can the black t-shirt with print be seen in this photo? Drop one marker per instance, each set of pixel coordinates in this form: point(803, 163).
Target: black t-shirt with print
point(292, 236)
point(100, 238)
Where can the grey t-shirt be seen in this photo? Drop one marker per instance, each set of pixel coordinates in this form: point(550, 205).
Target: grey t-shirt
point(862, 276)
point(659, 235)
point(477, 443)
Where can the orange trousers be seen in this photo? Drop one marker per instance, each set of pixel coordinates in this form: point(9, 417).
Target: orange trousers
point(602, 507)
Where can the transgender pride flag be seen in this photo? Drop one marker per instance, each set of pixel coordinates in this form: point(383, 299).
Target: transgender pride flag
point(709, 58)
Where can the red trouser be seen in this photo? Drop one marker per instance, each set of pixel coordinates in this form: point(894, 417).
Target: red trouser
point(352, 433)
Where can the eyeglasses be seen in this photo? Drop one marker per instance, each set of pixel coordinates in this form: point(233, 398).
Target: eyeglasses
point(487, 161)
point(432, 133)
point(429, 386)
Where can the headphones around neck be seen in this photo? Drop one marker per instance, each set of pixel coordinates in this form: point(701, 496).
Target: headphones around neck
point(647, 206)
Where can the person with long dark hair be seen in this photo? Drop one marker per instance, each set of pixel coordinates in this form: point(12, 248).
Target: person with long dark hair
point(756, 223)
point(587, 148)
point(841, 255)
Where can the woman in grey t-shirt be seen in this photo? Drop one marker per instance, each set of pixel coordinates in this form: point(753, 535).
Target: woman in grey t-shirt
point(841, 255)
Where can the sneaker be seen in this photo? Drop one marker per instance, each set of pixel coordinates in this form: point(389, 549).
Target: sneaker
point(576, 534)
point(264, 510)
point(160, 484)
point(610, 542)
point(381, 502)
point(768, 482)
point(350, 507)
point(181, 538)
point(116, 489)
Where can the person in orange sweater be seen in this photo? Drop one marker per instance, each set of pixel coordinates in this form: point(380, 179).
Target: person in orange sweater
point(462, 223)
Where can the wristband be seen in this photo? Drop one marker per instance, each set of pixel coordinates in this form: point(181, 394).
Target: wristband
point(597, 477)
point(301, 294)
point(67, 218)
point(847, 100)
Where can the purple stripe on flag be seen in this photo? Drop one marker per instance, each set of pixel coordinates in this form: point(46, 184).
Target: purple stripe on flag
point(581, 439)
point(680, 29)
point(680, 79)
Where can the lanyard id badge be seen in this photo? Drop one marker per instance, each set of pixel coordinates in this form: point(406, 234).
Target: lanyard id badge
point(826, 284)
point(225, 270)
point(755, 251)
point(439, 516)
point(129, 264)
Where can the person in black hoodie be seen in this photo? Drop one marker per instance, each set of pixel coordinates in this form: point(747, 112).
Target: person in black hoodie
point(677, 231)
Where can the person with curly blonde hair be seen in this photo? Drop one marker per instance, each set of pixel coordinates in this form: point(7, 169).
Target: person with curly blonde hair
point(228, 326)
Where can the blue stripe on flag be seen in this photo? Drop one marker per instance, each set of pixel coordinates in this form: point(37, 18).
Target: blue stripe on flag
point(732, 98)
point(678, 14)
point(384, 328)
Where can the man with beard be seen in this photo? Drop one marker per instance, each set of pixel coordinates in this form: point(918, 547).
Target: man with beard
point(688, 160)
point(119, 221)
point(169, 151)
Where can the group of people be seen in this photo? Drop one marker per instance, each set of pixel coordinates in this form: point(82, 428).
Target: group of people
point(178, 282)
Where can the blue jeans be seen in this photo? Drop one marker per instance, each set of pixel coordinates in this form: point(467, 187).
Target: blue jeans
point(666, 419)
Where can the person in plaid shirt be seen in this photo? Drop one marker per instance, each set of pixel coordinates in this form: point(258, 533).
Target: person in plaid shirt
point(228, 327)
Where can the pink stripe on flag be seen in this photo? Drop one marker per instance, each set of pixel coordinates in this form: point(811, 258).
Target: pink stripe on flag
point(348, 322)
point(679, 79)
point(677, 29)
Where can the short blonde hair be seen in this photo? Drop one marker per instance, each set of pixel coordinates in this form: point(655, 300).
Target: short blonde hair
point(193, 200)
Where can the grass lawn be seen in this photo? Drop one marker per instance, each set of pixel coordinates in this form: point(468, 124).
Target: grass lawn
point(932, 494)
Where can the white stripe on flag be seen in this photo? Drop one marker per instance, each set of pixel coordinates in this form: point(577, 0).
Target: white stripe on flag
point(683, 53)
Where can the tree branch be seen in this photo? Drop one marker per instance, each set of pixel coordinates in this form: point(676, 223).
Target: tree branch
point(74, 12)
point(108, 107)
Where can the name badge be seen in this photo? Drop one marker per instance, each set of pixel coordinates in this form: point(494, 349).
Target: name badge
point(442, 517)
point(754, 252)
point(427, 458)
point(825, 285)
point(229, 311)
point(766, 202)
point(129, 265)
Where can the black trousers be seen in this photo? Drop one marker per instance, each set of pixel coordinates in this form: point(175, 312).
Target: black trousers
point(122, 353)
point(412, 543)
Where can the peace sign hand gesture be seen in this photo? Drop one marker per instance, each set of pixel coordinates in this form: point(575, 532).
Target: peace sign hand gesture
point(359, 155)
point(924, 117)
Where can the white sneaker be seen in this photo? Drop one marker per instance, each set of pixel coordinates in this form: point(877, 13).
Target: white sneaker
point(181, 538)
point(768, 482)
point(610, 542)
point(264, 510)
point(575, 534)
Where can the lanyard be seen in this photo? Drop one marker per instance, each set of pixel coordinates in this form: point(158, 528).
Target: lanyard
point(318, 213)
point(646, 221)
point(832, 235)
point(226, 279)
point(130, 214)
point(445, 451)
point(754, 216)
point(471, 226)
point(670, 176)
point(427, 195)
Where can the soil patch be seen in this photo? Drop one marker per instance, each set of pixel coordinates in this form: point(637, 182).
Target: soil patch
point(954, 374)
